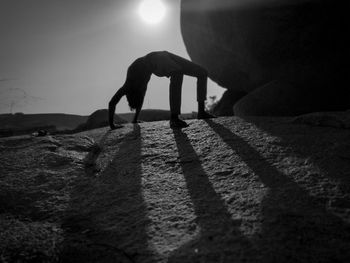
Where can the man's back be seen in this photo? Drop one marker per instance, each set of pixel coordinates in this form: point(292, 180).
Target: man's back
point(161, 63)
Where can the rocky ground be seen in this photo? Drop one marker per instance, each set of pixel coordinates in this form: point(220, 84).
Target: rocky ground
point(221, 190)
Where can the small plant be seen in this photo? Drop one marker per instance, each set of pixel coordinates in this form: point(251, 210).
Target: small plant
point(209, 106)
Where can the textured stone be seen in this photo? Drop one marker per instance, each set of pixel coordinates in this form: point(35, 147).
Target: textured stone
point(247, 44)
point(230, 189)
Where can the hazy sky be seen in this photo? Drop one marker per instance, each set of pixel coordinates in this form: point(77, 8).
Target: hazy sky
point(71, 56)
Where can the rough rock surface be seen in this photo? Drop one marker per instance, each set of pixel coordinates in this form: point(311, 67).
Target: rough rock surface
point(246, 44)
point(222, 190)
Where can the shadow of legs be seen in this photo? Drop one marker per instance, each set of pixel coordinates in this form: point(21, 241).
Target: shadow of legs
point(326, 147)
point(296, 227)
point(219, 237)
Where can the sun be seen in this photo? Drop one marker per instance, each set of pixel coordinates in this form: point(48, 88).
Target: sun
point(152, 11)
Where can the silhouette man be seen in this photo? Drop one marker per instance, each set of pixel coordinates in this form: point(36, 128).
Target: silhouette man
point(162, 64)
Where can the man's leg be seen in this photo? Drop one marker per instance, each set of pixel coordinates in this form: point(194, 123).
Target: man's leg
point(191, 69)
point(175, 93)
point(202, 81)
point(175, 100)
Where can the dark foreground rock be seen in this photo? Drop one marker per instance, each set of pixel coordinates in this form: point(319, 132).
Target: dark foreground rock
point(225, 106)
point(325, 119)
point(222, 190)
point(247, 44)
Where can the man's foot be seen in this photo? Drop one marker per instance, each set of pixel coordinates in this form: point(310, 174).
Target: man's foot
point(178, 124)
point(205, 115)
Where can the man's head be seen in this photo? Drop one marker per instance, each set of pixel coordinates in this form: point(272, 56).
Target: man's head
point(135, 94)
point(136, 83)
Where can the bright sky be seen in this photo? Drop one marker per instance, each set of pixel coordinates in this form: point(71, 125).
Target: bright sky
point(71, 56)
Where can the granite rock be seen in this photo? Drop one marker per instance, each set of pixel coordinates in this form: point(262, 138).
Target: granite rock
point(247, 44)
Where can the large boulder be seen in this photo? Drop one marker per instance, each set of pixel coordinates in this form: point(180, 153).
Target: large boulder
point(274, 98)
point(225, 106)
point(300, 44)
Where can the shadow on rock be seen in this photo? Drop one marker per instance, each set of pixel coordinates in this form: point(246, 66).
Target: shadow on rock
point(107, 220)
point(326, 147)
point(219, 238)
point(295, 227)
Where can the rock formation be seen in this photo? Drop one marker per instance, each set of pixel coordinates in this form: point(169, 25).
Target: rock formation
point(325, 119)
point(231, 189)
point(225, 106)
point(98, 119)
point(272, 50)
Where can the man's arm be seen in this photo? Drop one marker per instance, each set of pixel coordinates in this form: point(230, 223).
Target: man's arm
point(138, 109)
point(111, 106)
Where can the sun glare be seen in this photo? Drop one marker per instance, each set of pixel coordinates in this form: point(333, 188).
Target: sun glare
point(152, 11)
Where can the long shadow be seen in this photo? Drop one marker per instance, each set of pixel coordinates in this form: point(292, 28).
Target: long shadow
point(296, 227)
point(335, 163)
point(219, 238)
point(108, 220)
